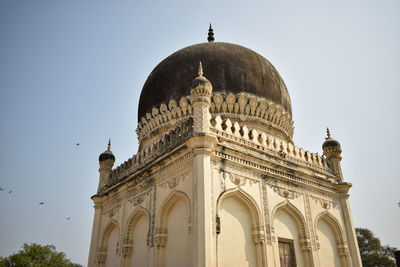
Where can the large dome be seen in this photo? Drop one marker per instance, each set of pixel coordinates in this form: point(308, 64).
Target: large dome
point(230, 68)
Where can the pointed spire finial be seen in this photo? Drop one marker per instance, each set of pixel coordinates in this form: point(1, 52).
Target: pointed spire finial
point(109, 144)
point(200, 69)
point(328, 133)
point(210, 34)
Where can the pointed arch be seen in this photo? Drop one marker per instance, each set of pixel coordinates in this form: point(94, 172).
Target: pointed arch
point(178, 238)
point(128, 236)
point(107, 231)
point(102, 253)
point(246, 199)
point(302, 242)
point(251, 229)
point(333, 223)
point(133, 219)
point(295, 214)
point(169, 201)
point(338, 234)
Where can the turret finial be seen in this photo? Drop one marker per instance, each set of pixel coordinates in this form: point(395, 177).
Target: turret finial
point(210, 34)
point(328, 133)
point(109, 144)
point(200, 69)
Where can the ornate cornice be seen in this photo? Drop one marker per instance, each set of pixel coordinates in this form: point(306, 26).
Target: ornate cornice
point(273, 172)
point(241, 107)
point(271, 146)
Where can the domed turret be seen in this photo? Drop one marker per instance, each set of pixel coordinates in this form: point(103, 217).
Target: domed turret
point(332, 152)
point(331, 147)
point(201, 87)
point(106, 162)
point(107, 155)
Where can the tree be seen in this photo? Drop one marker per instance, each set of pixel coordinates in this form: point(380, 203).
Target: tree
point(373, 254)
point(35, 255)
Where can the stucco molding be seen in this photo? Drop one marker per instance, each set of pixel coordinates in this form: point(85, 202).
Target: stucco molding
point(247, 200)
point(130, 225)
point(337, 229)
point(300, 220)
point(102, 251)
point(167, 204)
point(242, 106)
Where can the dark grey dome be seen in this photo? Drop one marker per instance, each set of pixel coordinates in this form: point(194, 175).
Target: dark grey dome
point(230, 68)
point(330, 143)
point(106, 155)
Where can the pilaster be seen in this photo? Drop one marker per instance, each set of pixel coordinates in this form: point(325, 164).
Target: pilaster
point(202, 144)
point(343, 189)
point(202, 217)
point(94, 242)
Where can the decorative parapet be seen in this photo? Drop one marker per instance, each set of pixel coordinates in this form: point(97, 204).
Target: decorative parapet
point(164, 117)
point(238, 107)
point(257, 109)
point(152, 151)
point(268, 143)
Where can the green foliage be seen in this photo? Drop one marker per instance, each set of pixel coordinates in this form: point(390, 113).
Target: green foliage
point(373, 254)
point(35, 255)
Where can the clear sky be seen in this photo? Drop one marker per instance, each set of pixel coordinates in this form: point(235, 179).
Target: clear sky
point(72, 71)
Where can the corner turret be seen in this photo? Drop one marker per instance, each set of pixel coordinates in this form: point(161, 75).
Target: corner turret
point(106, 162)
point(200, 93)
point(332, 152)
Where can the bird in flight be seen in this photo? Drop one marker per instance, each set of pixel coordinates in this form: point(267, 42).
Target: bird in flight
point(41, 203)
point(10, 191)
point(1, 189)
point(68, 218)
point(77, 144)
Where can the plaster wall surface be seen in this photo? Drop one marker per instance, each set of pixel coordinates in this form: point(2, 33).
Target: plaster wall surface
point(140, 251)
point(112, 244)
point(257, 196)
point(235, 242)
point(178, 248)
point(328, 255)
point(287, 228)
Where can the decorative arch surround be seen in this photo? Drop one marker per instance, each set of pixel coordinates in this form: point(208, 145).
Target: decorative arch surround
point(162, 257)
point(341, 242)
point(296, 214)
point(300, 221)
point(133, 219)
point(102, 252)
point(128, 239)
point(333, 222)
point(246, 199)
point(169, 201)
point(257, 227)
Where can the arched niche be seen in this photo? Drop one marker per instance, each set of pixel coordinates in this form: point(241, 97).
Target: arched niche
point(290, 227)
point(173, 234)
point(135, 240)
point(241, 235)
point(331, 244)
point(108, 252)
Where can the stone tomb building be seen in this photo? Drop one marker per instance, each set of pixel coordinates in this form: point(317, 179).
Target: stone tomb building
point(217, 179)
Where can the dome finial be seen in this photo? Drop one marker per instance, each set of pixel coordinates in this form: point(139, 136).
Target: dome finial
point(328, 133)
point(109, 144)
point(200, 69)
point(210, 34)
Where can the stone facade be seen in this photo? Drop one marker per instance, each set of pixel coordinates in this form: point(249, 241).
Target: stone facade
point(217, 181)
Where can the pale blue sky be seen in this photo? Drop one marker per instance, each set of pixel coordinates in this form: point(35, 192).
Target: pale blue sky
point(72, 71)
